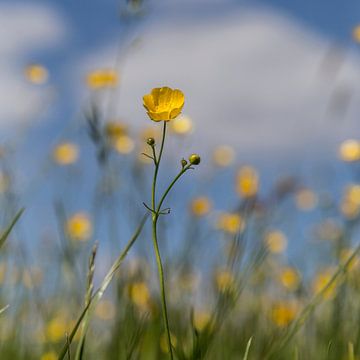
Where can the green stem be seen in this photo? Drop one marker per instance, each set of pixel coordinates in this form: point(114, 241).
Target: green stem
point(155, 217)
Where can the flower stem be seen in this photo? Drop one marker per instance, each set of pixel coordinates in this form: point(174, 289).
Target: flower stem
point(155, 216)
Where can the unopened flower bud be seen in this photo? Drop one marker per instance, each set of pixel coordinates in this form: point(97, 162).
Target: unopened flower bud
point(150, 141)
point(183, 163)
point(194, 159)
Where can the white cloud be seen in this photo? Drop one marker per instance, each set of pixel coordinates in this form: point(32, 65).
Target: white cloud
point(24, 28)
point(252, 78)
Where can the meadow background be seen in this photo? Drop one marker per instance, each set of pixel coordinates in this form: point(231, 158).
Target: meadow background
point(261, 245)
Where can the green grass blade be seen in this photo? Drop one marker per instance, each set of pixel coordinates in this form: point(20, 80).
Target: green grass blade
point(247, 350)
point(7, 232)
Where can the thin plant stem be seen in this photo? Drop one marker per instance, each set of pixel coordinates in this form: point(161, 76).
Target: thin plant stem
point(155, 216)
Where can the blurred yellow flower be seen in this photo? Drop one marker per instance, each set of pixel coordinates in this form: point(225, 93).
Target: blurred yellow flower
point(231, 223)
point(356, 33)
point(276, 241)
point(56, 329)
point(290, 278)
point(306, 199)
point(321, 281)
point(139, 294)
point(49, 355)
point(200, 206)
point(124, 144)
point(350, 150)
point(350, 205)
point(164, 104)
point(102, 78)
point(164, 342)
point(79, 227)
point(105, 310)
point(4, 182)
point(66, 153)
point(345, 257)
point(115, 129)
point(224, 280)
point(223, 155)
point(201, 319)
point(36, 74)
point(283, 312)
point(182, 125)
point(247, 182)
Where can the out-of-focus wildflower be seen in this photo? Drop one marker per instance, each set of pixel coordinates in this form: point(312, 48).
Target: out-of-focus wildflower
point(164, 104)
point(356, 33)
point(189, 281)
point(164, 342)
point(200, 206)
point(139, 294)
point(4, 182)
point(49, 355)
point(284, 312)
point(182, 125)
point(289, 278)
point(231, 223)
point(276, 241)
point(56, 329)
point(306, 199)
point(105, 310)
point(36, 74)
point(224, 280)
point(321, 281)
point(79, 227)
point(124, 144)
point(66, 153)
point(223, 155)
point(350, 205)
point(247, 182)
point(102, 78)
point(201, 319)
point(350, 150)
point(115, 129)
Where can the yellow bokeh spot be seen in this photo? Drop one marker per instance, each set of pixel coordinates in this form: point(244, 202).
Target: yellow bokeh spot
point(4, 182)
point(201, 319)
point(350, 150)
point(284, 312)
point(247, 182)
point(164, 342)
point(56, 329)
point(223, 155)
point(103, 78)
point(345, 257)
point(79, 227)
point(139, 294)
point(182, 125)
point(36, 74)
point(66, 153)
point(224, 280)
point(321, 281)
point(350, 205)
point(200, 206)
point(356, 33)
point(231, 223)
point(115, 129)
point(49, 355)
point(306, 199)
point(124, 144)
point(276, 242)
point(290, 278)
point(105, 310)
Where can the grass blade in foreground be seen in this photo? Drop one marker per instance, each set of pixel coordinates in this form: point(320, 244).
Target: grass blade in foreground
point(100, 291)
point(7, 232)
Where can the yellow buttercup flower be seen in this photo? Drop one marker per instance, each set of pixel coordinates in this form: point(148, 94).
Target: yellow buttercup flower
point(290, 278)
point(49, 355)
point(321, 281)
point(164, 342)
point(103, 78)
point(66, 153)
point(115, 129)
point(139, 294)
point(276, 242)
point(224, 280)
point(306, 199)
point(283, 312)
point(79, 227)
point(124, 144)
point(182, 125)
point(56, 329)
point(36, 74)
point(164, 104)
point(223, 155)
point(201, 319)
point(231, 223)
